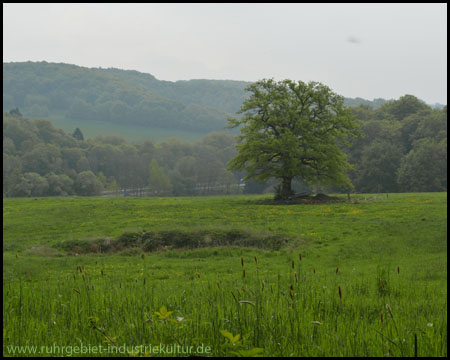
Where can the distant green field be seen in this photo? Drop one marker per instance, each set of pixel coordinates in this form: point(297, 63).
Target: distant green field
point(365, 278)
point(131, 133)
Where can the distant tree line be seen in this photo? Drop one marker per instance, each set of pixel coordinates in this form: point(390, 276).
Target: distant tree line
point(40, 160)
point(403, 149)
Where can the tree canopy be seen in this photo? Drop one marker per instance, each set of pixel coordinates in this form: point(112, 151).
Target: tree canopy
point(294, 130)
point(77, 134)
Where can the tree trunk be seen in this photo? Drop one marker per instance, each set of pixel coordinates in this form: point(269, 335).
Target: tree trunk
point(286, 190)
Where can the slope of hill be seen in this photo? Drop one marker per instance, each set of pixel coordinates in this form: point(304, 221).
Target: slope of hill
point(125, 102)
point(77, 93)
point(225, 95)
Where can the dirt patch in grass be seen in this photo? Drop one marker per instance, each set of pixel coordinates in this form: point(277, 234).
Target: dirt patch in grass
point(304, 199)
point(149, 241)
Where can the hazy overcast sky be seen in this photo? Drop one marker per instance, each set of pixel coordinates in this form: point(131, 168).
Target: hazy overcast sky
point(365, 50)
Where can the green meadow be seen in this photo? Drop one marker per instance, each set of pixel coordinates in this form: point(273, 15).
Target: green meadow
point(131, 133)
point(225, 276)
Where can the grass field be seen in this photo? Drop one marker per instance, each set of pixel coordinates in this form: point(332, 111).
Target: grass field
point(367, 278)
point(131, 133)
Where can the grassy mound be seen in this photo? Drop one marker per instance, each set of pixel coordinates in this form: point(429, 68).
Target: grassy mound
point(150, 241)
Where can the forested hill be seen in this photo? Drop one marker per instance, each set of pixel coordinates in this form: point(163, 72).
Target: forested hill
point(224, 95)
point(114, 96)
point(125, 97)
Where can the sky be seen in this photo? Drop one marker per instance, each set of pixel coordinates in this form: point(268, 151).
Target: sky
point(358, 50)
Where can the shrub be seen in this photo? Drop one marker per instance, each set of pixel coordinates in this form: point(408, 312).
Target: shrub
point(149, 241)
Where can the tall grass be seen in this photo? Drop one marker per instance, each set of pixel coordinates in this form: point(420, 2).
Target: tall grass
point(355, 279)
point(282, 316)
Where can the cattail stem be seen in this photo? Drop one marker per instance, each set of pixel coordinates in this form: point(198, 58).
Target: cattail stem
point(389, 310)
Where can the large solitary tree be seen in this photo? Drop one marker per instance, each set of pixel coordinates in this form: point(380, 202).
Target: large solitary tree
point(294, 130)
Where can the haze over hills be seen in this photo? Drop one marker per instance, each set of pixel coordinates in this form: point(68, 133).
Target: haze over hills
point(74, 96)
